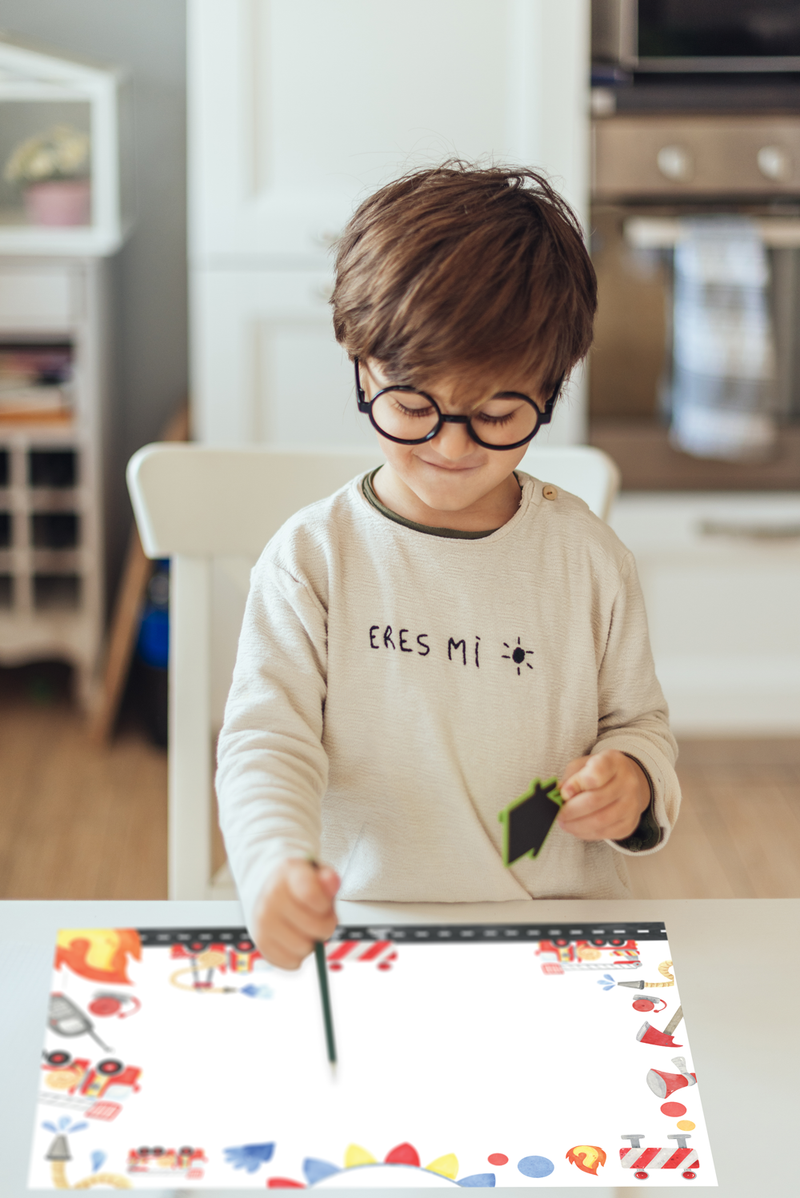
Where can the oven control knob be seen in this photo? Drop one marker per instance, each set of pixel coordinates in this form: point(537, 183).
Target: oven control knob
point(774, 163)
point(675, 163)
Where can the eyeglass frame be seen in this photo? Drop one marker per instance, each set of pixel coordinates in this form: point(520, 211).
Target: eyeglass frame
point(544, 416)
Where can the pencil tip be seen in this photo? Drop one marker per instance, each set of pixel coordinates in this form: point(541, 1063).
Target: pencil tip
point(333, 1070)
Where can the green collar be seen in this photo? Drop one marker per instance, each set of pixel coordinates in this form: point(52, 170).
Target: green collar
point(455, 533)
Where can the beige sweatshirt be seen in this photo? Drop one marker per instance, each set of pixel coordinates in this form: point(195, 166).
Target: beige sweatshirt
point(393, 691)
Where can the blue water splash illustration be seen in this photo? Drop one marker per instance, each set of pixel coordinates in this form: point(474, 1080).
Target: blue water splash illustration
point(249, 1156)
point(98, 1158)
point(65, 1124)
point(256, 991)
point(315, 1170)
point(606, 981)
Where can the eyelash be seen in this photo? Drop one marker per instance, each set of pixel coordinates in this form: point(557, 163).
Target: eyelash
point(495, 421)
point(414, 411)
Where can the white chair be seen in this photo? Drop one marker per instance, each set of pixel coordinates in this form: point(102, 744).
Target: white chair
point(195, 504)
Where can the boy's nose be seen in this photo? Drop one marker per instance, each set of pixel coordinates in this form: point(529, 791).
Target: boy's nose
point(454, 442)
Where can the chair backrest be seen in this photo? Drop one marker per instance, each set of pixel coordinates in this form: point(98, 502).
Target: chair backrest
point(205, 502)
point(195, 504)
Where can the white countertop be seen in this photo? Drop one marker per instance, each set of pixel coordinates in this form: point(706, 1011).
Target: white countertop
point(740, 986)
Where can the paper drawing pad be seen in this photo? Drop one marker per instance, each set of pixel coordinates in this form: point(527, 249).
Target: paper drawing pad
point(215, 1079)
point(527, 821)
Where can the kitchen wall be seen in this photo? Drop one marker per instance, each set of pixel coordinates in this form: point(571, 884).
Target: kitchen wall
point(148, 39)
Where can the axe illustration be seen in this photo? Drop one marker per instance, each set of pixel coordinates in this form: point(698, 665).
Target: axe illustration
point(651, 1035)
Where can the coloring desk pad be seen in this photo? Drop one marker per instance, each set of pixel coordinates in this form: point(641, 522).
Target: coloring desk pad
point(468, 1055)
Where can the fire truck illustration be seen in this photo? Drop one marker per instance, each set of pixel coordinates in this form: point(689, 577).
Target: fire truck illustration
point(641, 1159)
point(78, 1084)
point(185, 1160)
point(584, 955)
point(204, 960)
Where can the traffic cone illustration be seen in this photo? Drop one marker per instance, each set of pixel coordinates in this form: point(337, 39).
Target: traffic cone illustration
point(664, 1084)
point(651, 1035)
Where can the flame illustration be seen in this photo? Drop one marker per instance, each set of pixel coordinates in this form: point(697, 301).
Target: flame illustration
point(100, 954)
point(588, 1158)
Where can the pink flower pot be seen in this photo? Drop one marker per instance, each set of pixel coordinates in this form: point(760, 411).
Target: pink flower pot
point(59, 202)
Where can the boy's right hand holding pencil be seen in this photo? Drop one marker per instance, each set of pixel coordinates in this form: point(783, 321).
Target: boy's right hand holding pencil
point(295, 911)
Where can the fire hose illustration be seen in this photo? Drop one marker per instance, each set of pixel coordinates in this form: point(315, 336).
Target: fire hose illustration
point(663, 969)
point(58, 1154)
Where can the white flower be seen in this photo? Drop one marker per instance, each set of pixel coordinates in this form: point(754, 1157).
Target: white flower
point(60, 153)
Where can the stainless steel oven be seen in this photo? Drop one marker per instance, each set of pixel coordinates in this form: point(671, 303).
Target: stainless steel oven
point(651, 171)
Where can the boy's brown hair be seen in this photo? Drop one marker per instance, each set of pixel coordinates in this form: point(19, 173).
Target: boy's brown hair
point(457, 269)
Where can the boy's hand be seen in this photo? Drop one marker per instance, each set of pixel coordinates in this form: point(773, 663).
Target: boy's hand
point(295, 910)
point(607, 794)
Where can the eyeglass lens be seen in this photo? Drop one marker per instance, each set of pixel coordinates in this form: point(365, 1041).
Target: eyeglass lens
point(410, 416)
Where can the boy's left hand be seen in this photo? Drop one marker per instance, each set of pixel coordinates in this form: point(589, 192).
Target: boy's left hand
point(606, 794)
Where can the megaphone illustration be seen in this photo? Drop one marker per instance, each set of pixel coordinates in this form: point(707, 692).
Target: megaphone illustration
point(651, 1035)
point(664, 1084)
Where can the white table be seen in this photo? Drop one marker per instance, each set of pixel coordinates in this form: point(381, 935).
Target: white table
point(745, 1043)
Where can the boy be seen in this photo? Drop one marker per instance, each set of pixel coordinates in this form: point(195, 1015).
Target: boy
point(421, 644)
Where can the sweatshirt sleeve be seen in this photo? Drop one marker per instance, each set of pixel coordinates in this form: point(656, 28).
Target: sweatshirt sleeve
point(272, 768)
point(633, 712)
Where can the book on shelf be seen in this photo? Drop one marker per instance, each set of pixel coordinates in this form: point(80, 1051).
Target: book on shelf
point(35, 382)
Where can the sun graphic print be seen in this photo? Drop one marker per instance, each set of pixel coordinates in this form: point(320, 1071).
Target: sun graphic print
point(518, 655)
point(399, 1169)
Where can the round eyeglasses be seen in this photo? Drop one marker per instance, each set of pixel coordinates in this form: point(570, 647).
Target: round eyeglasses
point(411, 417)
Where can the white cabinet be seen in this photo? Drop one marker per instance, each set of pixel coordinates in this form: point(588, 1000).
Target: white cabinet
point(721, 580)
point(300, 108)
point(51, 461)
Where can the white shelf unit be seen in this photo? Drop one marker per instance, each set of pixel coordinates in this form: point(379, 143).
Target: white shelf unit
point(38, 90)
point(51, 535)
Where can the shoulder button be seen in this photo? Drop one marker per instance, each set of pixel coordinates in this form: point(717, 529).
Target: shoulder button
point(549, 492)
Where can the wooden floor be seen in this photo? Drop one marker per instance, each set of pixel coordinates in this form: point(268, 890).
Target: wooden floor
point(76, 821)
point(81, 822)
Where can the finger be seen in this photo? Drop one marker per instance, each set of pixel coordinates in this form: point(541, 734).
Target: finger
point(571, 769)
point(310, 925)
point(614, 822)
point(306, 888)
point(289, 943)
point(589, 802)
point(595, 773)
point(329, 880)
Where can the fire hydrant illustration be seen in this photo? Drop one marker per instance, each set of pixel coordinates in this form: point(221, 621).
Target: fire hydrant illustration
point(58, 1154)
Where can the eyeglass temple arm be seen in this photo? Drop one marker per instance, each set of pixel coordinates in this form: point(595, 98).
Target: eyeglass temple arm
point(361, 395)
point(547, 414)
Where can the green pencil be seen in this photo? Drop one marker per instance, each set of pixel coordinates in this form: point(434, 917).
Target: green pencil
point(324, 993)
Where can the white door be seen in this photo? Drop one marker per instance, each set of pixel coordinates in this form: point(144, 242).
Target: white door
point(300, 108)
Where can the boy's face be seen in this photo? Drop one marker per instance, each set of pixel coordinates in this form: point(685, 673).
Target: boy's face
point(451, 481)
